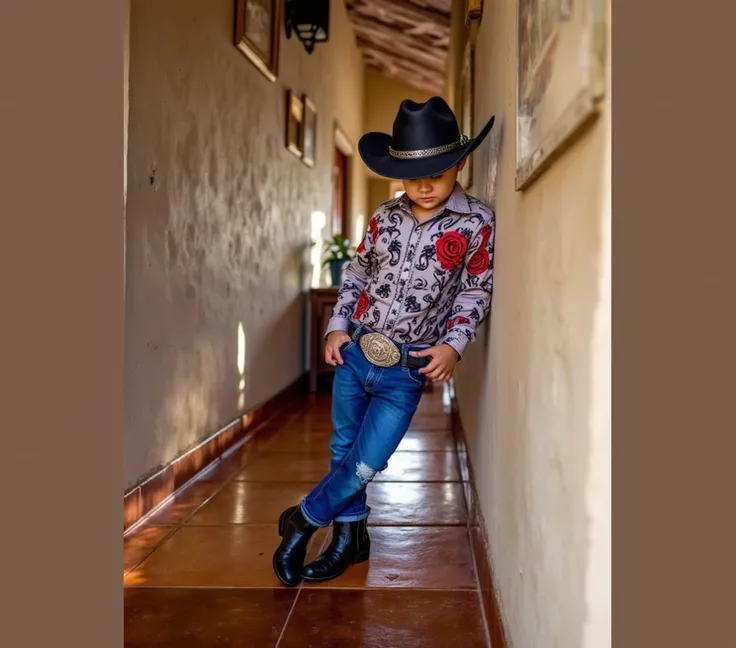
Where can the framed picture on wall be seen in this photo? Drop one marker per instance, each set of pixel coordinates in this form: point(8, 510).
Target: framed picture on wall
point(294, 123)
point(560, 78)
point(467, 101)
point(473, 10)
point(257, 31)
point(309, 146)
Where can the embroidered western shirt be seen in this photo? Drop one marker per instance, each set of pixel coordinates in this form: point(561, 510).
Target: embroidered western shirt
point(422, 283)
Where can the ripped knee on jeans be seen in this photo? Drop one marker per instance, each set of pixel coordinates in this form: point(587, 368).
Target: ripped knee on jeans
point(364, 472)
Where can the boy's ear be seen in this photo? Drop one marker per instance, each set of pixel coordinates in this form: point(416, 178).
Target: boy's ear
point(462, 164)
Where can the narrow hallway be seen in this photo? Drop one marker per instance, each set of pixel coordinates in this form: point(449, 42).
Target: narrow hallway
point(198, 572)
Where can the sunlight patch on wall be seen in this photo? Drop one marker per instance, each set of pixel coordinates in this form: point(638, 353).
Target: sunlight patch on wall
point(241, 366)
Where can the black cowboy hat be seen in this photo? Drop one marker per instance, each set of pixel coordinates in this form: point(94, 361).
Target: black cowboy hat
point(426, 142)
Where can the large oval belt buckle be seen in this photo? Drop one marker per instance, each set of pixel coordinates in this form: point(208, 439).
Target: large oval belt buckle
point(379, 350)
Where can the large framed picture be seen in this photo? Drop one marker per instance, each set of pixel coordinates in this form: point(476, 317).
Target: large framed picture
point(560, 78)
point(309, 144)
point(257, 31)
point(467, 101)
point(294, 123)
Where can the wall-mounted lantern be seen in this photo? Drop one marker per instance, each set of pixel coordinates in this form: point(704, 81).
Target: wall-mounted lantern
point(310, 19)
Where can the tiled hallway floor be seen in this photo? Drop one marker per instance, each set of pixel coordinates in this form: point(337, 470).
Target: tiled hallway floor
point(198, 574)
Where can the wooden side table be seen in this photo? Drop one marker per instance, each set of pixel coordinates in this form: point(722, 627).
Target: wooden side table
point(321, 303)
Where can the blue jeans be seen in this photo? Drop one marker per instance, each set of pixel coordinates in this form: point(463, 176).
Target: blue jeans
point(372, 408)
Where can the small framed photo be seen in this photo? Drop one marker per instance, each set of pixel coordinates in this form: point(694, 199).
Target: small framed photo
point(294, 123)
point(257, 30)
point(309, 144)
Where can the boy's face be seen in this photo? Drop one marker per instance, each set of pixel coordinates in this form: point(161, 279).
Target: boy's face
point(430, 193)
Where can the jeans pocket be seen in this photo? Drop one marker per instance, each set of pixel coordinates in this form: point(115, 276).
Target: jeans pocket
point(347, 345)
point(415, 376)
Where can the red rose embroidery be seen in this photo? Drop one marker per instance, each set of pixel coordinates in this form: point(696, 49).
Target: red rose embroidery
point(361, 247)
point(363, 305)
point(479, 262)
point(451, 248)
point(485, 234)
point(458, 320)
point(374, 229)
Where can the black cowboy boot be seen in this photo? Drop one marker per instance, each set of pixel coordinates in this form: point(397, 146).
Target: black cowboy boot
point(350, 545)
point(288, 561)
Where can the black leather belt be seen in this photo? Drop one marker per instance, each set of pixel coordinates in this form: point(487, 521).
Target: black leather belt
point(357, 332)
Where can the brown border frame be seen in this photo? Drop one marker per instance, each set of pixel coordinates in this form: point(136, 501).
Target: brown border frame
point(269, 68)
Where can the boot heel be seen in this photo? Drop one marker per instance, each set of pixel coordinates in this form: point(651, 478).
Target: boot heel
point(362, 556)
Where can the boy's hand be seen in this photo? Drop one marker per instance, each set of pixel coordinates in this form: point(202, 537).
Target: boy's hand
point(332, 349)
point(444, 359)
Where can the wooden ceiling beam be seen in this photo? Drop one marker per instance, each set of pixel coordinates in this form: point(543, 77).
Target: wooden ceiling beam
point(440, 6)
point(390, 11)
point(424, 45)
point(407, 40)
point(399, 51)
point(405, 72)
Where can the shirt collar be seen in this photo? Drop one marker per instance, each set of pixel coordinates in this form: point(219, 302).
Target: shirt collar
point(458, 201)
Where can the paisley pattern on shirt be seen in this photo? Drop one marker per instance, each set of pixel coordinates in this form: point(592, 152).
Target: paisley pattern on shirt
point(422, 283)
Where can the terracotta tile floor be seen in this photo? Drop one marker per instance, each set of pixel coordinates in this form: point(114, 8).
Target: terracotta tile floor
point(198, 572)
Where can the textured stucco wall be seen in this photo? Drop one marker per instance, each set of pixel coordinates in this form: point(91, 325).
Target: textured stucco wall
point(218, 218)
point(534, 395)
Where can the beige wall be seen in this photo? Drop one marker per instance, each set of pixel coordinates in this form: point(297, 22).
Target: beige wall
point(382, 99)
point(534, 395)
point(218, 218)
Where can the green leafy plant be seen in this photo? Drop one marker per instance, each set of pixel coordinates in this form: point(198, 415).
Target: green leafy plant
point(337, 249)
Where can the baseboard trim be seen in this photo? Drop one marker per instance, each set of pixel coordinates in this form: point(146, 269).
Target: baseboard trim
point(478, 538)
point(140, 500)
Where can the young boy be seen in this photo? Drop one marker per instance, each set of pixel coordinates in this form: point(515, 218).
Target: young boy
point(418, 287)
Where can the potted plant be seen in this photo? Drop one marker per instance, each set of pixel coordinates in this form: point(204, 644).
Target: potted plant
point(339, 254)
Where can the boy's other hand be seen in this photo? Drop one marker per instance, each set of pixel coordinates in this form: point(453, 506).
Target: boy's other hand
point(332, 349)
point(444, 359)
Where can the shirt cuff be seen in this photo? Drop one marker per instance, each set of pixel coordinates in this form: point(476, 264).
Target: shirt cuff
point(459, 343)
point(338, 324)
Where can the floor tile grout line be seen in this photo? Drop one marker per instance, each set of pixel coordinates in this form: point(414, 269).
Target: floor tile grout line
point(311, 588)
point(207, 501)
point(141, 523)
point(257, 525)
point(382, 481)
point(155, 548)
point(200, 476)
point(288, 617)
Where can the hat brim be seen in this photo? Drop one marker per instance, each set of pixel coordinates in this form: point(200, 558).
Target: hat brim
point(374, 149)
